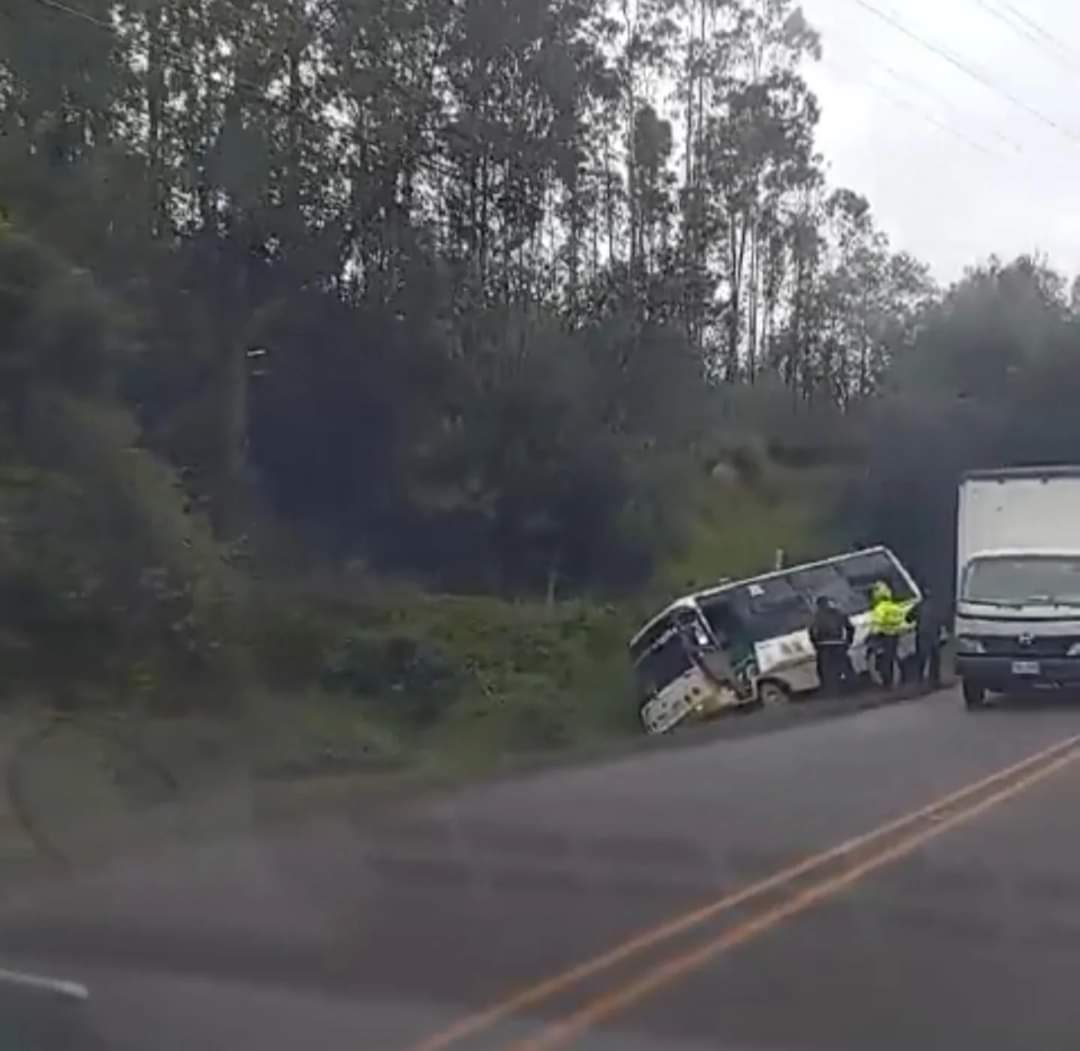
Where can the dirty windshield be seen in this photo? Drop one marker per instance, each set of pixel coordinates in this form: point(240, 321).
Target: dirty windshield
point(487, 493)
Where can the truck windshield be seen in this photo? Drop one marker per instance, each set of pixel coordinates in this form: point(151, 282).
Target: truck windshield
point(1029, 581)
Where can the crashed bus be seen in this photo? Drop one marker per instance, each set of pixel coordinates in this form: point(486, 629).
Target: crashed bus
point(746, 642)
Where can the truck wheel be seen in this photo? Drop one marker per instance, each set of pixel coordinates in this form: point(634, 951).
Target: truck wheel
point(974, 695)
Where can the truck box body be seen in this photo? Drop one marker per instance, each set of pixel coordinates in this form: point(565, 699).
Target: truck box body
point(1021, 510)
point(1018, 579)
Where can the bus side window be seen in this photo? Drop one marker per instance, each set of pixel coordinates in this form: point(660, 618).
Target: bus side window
point(864, 571)
point(772, 609)
point(828, 582)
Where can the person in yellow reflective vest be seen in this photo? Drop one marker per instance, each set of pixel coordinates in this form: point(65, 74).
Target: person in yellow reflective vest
point(889, 620)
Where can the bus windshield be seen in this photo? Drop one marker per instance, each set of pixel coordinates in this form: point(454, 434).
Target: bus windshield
point(663, 664)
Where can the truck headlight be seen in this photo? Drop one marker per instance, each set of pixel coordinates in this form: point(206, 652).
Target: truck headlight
point(967, 645)
point(1074, 650)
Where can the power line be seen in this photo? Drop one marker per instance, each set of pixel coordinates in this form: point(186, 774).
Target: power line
point(74, 12)
point(910, 81)
point(1019, 25)
point(967, 70)
point(1034, 26)
point(918, 85)
point(919, 111)
point(179, 57)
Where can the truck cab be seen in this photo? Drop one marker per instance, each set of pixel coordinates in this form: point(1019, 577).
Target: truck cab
point(1018, 586)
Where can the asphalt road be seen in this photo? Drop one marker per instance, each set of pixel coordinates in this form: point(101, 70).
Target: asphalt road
point(953, 925)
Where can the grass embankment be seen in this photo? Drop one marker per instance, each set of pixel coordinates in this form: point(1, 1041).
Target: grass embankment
point(374, 687)
point(467, 685)
point(737, 530)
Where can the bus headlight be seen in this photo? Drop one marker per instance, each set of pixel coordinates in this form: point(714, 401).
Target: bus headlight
point(969, 646)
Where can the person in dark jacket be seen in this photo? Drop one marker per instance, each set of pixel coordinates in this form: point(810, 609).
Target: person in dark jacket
point(832, 634)
point(929, 638)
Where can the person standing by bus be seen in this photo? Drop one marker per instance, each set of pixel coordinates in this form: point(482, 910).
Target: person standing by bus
point(888, 622)
point(930, 637)
point(832, 634)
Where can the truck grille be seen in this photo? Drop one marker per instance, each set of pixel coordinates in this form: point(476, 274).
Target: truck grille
point(1045, 647)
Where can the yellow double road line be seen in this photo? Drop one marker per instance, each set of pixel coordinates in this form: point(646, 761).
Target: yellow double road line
point(921, 826)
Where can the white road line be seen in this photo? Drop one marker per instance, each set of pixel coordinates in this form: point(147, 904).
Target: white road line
point(56, 986)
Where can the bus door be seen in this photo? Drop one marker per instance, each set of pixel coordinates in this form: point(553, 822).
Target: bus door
point(733, 641)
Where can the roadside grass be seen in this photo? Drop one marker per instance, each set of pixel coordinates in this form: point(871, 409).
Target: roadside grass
point(363, 689)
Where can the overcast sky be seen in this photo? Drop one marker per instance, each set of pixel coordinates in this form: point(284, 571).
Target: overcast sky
point(1015, 186)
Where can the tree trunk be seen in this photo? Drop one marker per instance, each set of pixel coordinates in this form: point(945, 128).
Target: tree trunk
point(155, 93)
point(752, 319)
point(234, 424)
point(737, 239)
point(553, 575)
point(292, 160)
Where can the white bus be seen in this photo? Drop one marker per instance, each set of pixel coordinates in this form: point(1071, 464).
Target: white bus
point(747, 642)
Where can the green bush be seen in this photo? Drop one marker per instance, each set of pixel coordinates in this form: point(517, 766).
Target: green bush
point(105, 575)
point(289, 642)
point(412, 678)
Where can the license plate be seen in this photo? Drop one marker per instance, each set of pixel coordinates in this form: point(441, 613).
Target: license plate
point(1026, 668)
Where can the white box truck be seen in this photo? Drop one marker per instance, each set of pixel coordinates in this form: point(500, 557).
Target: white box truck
point(1018, 581)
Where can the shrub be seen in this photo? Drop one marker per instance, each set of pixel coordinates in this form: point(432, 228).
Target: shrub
point(413, 678)
point(289, 642)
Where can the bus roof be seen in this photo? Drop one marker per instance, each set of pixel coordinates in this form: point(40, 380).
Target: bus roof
point(690, 601)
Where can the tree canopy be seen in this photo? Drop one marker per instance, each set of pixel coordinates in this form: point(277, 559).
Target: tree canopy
point(474, 291)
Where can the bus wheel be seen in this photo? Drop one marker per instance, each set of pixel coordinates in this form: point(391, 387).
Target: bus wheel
point(771, 693)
